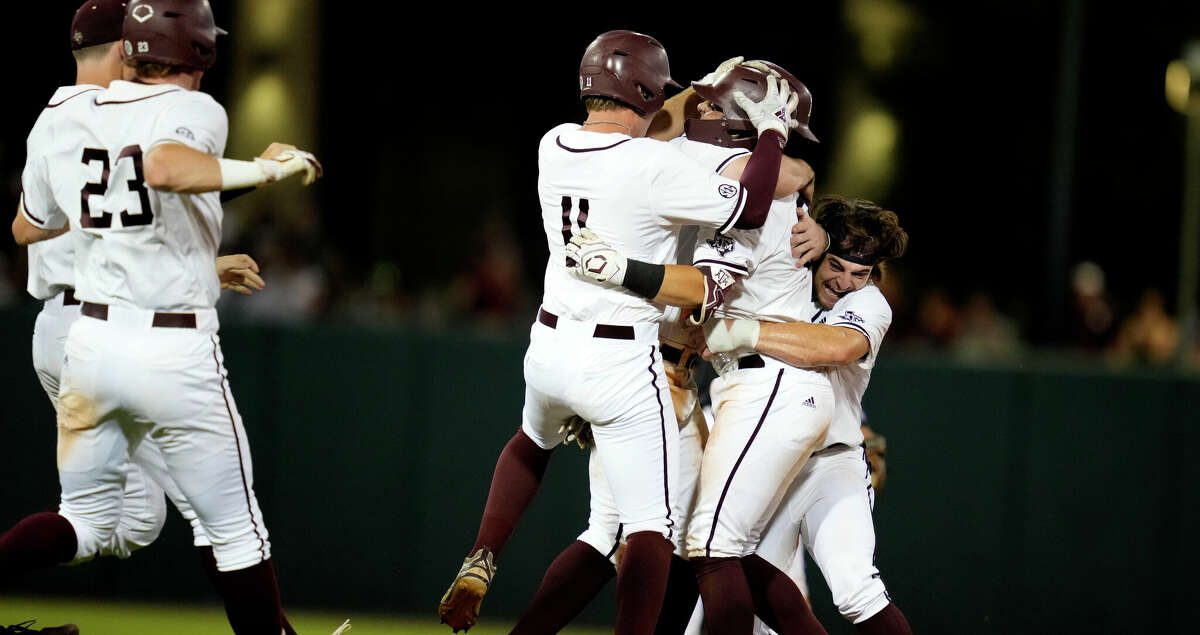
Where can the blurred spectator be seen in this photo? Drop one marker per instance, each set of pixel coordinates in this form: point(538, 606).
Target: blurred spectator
point(1093, 319)
point(1149, 336)
point(491, 289)
point(937, 321)
point(985, 333)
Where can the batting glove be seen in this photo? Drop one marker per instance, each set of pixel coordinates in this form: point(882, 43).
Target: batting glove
point(725, 67)
point(724, 336)
point(774, 112)
point(293, 162)
point(590, 257)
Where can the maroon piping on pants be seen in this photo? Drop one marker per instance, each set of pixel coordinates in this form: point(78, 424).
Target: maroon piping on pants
point(729, 481)
point(262, 544)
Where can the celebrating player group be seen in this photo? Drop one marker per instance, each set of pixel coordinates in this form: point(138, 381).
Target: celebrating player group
point(677, 229)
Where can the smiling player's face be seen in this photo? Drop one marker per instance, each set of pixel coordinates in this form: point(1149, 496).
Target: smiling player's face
point(837, 277)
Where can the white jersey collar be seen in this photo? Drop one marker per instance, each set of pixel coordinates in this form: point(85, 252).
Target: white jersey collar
point(66, 93)
point(580, 140)
point(122, 91)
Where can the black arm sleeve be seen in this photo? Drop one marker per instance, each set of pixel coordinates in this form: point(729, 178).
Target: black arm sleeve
point(759, 179)
point(644, 278)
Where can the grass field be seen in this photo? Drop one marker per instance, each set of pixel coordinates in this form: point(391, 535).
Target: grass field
point(129, 618)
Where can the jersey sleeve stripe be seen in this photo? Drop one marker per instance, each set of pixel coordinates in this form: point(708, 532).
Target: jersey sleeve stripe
point(737, 210)
point(726, 161)
point(28, 214)
point(724, 264)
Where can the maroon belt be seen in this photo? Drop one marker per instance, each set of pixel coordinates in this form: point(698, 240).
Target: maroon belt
point(164, 320)
point(69, 297)
point(751, 361)
point(684, 357)
point(607, 331)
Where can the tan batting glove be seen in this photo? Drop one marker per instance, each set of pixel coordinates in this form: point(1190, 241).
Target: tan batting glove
point(292, 162)
point(724, 67)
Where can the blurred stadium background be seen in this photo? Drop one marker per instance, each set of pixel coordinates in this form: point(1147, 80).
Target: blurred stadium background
point(1041, 379)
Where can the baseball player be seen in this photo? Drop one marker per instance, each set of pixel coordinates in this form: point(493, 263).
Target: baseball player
point(769, 415)
point(593, 351)
point(144, 359)
point(95, 42)
point(593, 559)
point(827, 508)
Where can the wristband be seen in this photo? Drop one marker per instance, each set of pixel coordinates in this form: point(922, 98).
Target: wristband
point(643, 278)
point(241, 174)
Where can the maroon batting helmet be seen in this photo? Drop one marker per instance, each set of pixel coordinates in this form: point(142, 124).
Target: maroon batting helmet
point(735, 129)
point(97, 22)
point(628, 67)
point(177, 32)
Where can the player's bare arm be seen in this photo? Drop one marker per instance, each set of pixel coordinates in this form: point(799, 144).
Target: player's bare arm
point(668, 122)
point(677, 285)
point(26, 233)
point(174, 167)
point(796, 343)
point(239, 273)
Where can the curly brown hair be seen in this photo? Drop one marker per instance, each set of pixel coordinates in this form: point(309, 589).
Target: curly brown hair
point(861, 231)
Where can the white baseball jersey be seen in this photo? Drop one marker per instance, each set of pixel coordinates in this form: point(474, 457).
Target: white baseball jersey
point(635, 194)
point(137, 247)
point(52, 149)
point(773, 289)
point(868, 312)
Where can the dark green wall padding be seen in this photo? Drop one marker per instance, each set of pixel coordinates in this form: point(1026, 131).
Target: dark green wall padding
point(1020, 500)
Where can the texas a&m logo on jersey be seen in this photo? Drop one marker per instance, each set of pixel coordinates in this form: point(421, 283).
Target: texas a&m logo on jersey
point(722, 244)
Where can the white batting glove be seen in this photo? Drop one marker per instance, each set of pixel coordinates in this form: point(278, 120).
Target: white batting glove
point(774, 112)
point(595, 259)
point(725, 67)
point(724, 336)
point(291, 162)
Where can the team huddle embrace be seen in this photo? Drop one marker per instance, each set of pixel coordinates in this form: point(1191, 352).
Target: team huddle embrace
point(677, 229)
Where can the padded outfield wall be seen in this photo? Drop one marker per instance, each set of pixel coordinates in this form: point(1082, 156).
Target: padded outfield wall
point(1036, 499)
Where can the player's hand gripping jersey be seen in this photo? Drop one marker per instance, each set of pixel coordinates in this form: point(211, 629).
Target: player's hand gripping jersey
point(634, 193)
point(136, 247)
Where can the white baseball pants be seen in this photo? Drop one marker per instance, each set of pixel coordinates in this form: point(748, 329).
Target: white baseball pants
point(127, 382)
point(143, 509)
point(620, 387)
point(768, 421)
point(604, 531)
point(827, 510)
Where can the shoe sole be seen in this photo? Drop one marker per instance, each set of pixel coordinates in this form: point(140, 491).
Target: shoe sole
point(458, 611)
